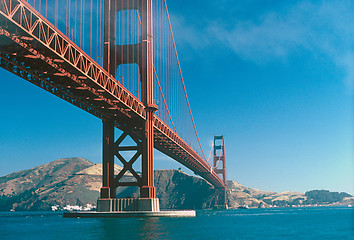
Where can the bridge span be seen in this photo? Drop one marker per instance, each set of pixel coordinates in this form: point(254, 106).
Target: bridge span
point(34, 49)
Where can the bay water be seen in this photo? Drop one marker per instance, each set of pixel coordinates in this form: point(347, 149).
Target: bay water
point(275, 223)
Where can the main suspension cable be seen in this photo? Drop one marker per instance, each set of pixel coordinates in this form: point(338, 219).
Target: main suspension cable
point(180, 71)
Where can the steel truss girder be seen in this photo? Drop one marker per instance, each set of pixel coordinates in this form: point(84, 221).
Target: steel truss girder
point(7, 62)
point(20, 15)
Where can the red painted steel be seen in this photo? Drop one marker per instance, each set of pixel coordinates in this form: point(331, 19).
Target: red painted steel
point(144, 58)
point(147, 190)
point(35, 50)
point(128, 165)
point(220, 167)
point(108, 189)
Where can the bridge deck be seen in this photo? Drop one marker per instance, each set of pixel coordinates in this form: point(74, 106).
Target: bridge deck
point(35, 50)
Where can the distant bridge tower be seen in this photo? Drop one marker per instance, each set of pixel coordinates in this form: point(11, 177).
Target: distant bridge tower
point(114, 55)
point(220, 168)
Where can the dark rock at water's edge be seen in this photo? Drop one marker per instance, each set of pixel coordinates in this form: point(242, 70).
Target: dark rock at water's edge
point(77, 181)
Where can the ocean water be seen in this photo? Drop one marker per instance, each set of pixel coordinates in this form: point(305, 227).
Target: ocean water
point(281, 223)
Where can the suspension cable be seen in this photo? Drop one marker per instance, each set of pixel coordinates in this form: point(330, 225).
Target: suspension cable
point(211, 149)
point(180, 71)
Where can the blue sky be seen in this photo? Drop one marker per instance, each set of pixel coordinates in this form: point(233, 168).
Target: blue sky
point(276, 79)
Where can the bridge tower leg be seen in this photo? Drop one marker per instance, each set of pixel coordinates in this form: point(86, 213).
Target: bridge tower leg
point(108, 190)
point(141, 54)
point(220, 169)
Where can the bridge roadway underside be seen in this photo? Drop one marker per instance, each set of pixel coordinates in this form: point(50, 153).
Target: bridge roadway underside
point(33, 49)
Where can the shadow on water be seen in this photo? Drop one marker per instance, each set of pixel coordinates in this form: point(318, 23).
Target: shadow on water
point(133, 228)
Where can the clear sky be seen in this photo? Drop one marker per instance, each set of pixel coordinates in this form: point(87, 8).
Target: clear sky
point(275, 77)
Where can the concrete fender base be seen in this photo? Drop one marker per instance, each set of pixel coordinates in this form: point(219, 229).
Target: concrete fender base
point(129, 207)
point(128, 204)
point(130, 214)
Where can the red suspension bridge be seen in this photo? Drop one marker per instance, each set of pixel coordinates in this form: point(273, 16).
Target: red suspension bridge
point(118, 61)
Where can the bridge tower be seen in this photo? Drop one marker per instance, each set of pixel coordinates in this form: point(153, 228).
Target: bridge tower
point(220, 169)
point(142, 54)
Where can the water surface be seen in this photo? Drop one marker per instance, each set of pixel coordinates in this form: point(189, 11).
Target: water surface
point(281, 223)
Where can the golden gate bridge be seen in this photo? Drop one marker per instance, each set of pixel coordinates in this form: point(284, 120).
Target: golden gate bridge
point(118, 61)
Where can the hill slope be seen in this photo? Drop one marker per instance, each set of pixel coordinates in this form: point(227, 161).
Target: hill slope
point(77, 181)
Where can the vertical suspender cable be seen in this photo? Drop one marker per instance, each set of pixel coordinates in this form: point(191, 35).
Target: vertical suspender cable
point(116, 47)
point(130, 42)
point(97, 27)
point(134, 42)
point(91, 29)
point(119, 42)
point(138, 50)
point(83, 24)
point(69, 18)
point(169, 75)
point(115, 37)
point(56, 13)
point(66, 18)
point(130, 24)
point(75, 23)
point(126, 42)
point(164, 67)
point(101, 35)
point(161, 55)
